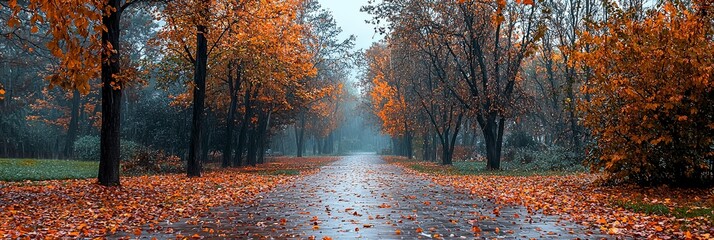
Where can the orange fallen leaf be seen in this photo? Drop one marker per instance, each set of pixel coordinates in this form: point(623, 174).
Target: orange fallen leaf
point(398, 232)
point(419, 230)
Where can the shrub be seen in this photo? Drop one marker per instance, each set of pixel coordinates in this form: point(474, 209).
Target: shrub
point(87, 148)
point(520, 139)
point(550, 159)
point(463, 152)
point(651, 96)
point(149, 161)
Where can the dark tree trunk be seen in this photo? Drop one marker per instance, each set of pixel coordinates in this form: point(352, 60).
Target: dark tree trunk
point(245, 125)
point(111, 100)
point(230, 118)
point(425, 145)
point(300, 135)
point(252, 147)
point(575, 132)
point(408, 145)
point(262, 133)
point(240, 149)
point(449, 148)
point(493, 138)
point(193, 168)
point(73, 125)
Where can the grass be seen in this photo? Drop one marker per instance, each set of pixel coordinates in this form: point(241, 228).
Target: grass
point(474, 168)
point(15, 170)
point(661, 209)
point(280, 172)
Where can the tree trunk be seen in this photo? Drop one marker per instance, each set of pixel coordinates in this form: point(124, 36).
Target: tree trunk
point(244, 127)
point(230, 118)
point(252, 147)
point(408, 145)
point(261, 132)
point(73, 125)
point(193, 168)
point(300, 135)
point(111, 100)
point(493, 142)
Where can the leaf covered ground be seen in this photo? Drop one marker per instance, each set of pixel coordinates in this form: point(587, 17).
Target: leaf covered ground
point(83, 209)
point(653, 213)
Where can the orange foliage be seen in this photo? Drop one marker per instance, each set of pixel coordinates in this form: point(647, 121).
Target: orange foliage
point(89, 210)
point(578, 198)
point(75, 37)
point(650, 97)
point(388, 102)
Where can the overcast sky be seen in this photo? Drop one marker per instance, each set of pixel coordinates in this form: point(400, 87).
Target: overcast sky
point(348, 16)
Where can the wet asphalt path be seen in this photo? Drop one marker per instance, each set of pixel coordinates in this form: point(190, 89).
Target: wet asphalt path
point(362, 196)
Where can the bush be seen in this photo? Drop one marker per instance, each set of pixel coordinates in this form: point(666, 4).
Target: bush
point(149, 161)
point(550, 159)
point(520, 139)
point(87, 148)
point(651, 103)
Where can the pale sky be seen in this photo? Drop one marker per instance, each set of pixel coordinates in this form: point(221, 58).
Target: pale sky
point(351, 20)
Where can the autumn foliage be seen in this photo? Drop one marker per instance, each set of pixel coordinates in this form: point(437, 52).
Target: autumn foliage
point(605, 210)
point(651, 96)
point(142, 205)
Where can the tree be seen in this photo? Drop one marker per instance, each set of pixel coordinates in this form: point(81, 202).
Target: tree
point(327, 53)
point(487, 42)
point(652, 94)
point(73, 23)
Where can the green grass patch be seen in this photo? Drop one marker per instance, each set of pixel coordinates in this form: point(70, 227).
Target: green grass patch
point(476, 168)
point(661, 209)
point(16, 170)
point(280, 172)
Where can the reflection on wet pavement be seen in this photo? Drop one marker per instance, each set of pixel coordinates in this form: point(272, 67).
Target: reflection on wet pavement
point(361, 196)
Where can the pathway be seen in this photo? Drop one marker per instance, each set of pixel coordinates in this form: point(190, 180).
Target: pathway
point(362, 196)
